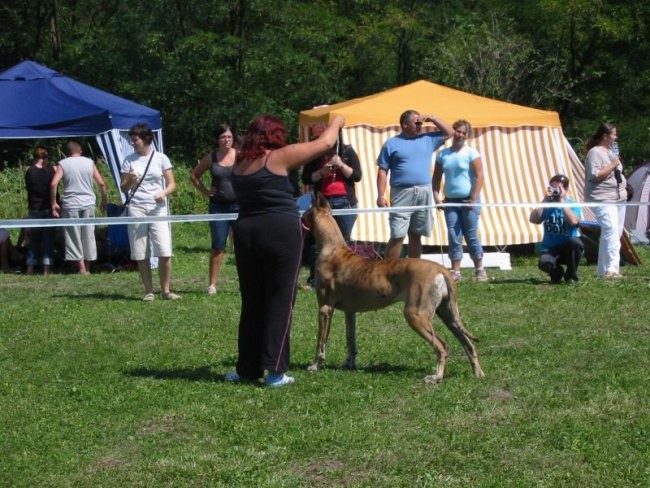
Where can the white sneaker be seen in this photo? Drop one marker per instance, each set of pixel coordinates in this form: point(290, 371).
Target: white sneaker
point(212, 290)
point(278, 379)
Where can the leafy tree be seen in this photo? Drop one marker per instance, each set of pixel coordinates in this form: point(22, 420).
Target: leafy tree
point(202, 62)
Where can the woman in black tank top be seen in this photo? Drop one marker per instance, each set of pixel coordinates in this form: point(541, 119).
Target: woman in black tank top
point(268, 243)
point(221, 196)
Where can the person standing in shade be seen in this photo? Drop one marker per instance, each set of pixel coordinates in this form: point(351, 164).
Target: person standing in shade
point(605, 182)
point(407, 157)
point(220, 194)
point(561, 244)
point(37, 182)
point(77, 174)
point(268, 241)
point(462, 168)
point(147, 176)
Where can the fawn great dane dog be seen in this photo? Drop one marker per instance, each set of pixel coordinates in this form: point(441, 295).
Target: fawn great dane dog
point(350, 283)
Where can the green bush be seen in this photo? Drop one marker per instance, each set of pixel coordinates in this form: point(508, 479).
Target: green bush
point(186, 199)
point(14, 195)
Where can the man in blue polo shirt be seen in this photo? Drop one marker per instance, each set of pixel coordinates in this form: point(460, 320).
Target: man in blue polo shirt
point(407, 157)
point(561, 244)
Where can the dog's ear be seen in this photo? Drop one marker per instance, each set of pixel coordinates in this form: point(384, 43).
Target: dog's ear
point(321, 201)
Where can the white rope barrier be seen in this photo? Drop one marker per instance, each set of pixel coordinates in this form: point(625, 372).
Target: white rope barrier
point(99, 221)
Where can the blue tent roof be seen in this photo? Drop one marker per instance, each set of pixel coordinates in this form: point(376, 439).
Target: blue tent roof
point(36, 101)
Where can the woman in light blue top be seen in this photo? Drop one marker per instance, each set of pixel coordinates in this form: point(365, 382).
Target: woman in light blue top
point(462, 168)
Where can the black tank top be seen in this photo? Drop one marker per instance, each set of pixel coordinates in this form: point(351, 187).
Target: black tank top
point(221, 186)
point(264, 192)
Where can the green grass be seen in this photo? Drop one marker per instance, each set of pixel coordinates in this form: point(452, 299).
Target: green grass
point(100, 389)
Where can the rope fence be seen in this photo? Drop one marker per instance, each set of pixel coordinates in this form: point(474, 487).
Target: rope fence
point(101, 221)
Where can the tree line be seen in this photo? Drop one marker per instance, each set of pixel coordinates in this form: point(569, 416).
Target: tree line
point(203, 62)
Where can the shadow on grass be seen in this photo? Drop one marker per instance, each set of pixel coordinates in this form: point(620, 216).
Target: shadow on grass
point(379, 368)
point(201, 373)
point(194, 249)
point(99, 296)
point(206, 373)
point(510, 281)
point(137, 297)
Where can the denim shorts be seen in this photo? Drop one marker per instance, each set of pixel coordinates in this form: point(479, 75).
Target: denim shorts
point(219, 228)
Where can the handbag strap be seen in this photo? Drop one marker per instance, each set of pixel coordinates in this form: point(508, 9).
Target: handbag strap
point(129, 197)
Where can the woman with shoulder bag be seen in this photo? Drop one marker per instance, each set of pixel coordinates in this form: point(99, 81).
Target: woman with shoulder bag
point(142, 175)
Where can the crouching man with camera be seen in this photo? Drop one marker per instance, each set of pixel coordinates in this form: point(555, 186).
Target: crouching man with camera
point(561, 244)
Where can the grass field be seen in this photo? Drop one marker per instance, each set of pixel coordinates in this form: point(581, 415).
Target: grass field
point(98, 388)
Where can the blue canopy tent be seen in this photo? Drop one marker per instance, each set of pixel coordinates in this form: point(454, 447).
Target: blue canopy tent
point(38, 102)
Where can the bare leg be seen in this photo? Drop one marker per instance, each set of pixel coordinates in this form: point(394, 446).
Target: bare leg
point(165, 272)
point(83, 267)
point(415, 245)
point(393, 248)
point(145, 275)
point(216, 260)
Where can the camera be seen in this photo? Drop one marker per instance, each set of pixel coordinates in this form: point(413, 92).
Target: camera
point(554, 192)
point(617, 176)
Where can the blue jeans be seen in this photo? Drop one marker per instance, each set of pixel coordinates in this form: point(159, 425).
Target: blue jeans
point(463, 221)
point(219, 228)
point(41, 240)
point(345, 222)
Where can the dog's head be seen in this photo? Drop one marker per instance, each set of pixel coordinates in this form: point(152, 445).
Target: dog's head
point(319, 205)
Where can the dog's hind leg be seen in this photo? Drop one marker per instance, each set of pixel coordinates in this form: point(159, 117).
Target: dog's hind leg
point(351, 340)
point(325, 313)
point(421, 323)
point(453, 322)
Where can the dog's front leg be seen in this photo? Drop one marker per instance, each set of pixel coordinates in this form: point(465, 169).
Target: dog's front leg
point(324, 321)
point(351, 340)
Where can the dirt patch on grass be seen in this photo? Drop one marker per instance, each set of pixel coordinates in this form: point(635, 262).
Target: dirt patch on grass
point(499, 395)
point(162, 425)
point(328, 472)
point(106, 463)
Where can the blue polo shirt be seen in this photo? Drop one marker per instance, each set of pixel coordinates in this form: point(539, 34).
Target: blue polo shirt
point(408, 159)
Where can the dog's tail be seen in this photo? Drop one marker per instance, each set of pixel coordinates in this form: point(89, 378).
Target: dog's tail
point(452, 297)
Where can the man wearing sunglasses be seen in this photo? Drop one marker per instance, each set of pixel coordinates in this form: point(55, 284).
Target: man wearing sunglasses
point(407, 157)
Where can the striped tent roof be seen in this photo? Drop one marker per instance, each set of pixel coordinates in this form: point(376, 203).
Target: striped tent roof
point(521, 149)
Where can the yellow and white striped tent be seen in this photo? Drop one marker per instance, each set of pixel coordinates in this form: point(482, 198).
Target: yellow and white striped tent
point(521, 149)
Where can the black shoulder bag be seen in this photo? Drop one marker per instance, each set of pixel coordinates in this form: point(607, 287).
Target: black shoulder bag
point(125, 207)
